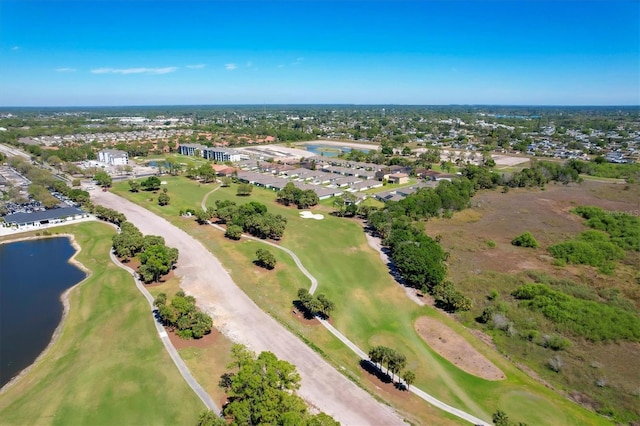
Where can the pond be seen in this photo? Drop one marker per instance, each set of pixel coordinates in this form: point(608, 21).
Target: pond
point(327, 150)
point(33, 276)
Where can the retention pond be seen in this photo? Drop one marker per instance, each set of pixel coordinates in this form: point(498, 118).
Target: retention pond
point(33, 276)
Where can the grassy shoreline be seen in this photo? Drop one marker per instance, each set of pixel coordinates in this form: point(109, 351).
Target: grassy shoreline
point(107, 365)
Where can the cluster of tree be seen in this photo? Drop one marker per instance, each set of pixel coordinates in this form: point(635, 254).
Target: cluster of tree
point(483, 177)
point(595, 321)
point(203, 215)
point(302, 198)
point(423, 204)
point(589, 248)
point(601, 168)
point(64, 153)
point(394, 362)
point(525, 240)
point(542, 172)
point(42, 195)
point(420, 261)
point(265, 259)
point(315, 305)
point(182, 316)
point(346, 205)
point(244, 189)
point(103, 179)
point(35, 174)
point(418, 257)
point(74, 194)
point(623, 228)
point(251, 217)
point(109, 215)
point(156, 259)
point(447, 297)
point(261, 391)
point(152, 183)
point(204, 173)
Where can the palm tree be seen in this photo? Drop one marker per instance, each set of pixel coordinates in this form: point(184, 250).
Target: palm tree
point(409, 378)
point(397, 362)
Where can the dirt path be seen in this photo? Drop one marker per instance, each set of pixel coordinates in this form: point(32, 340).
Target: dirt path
point(240, 319)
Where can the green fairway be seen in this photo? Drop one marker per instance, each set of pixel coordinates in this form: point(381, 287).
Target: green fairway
point(108, 366)
point(371, 309)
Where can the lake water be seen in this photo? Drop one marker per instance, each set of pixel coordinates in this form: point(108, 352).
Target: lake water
point(327, 150)
point(33, 275)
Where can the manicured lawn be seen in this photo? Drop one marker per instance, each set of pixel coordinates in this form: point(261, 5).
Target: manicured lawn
point(370, 309)
point(108, 366)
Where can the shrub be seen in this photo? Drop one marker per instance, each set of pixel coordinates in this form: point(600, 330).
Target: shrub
point(590, 248)
point(266, 259)
point(233, 232)
point(525, 240)
point(592, 320)
point(163, 199)
point(556, 342)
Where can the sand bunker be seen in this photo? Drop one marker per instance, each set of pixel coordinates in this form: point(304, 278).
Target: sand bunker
point(308, 215)
point(451, 346)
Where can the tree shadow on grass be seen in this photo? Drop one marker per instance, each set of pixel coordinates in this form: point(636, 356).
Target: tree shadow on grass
point(373, 369)
point(307, 314)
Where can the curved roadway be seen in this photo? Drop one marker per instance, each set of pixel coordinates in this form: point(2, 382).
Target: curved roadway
point(237, 316)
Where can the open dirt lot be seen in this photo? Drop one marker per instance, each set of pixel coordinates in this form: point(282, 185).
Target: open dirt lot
point(545, 213)
point(451, 346)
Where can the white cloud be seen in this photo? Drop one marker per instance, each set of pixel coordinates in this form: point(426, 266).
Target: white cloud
point(165, 70)
point(64, 69)
point(15, 48)
point(298, 61)
point(196, 66)
point(280, 66)
point(249, 64)
point(230, 67)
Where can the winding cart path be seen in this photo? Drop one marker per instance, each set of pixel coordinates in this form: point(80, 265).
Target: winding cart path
point(353, 347)
point(238, 317)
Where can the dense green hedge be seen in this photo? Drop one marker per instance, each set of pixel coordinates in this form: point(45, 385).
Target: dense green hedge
point(589, 248)
point(623, 228)
point(592, 320)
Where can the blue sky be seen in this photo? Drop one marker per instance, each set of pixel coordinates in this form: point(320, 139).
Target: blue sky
point(151, 52)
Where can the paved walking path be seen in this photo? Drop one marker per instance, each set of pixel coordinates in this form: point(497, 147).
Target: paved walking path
point(352, 346)
point(173, 353)
point(239, 318)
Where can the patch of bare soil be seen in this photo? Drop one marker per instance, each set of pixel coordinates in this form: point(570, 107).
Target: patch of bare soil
point(135, 265)
point(206, 340)
point(451, 346)
point(501, 217)
point(303, 319)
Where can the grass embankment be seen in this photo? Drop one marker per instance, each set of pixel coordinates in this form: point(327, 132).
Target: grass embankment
point(108, 365)
point(371, 310)
point(208, 358)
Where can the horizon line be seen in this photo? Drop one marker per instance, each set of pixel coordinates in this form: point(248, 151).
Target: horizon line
point(327, 104)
